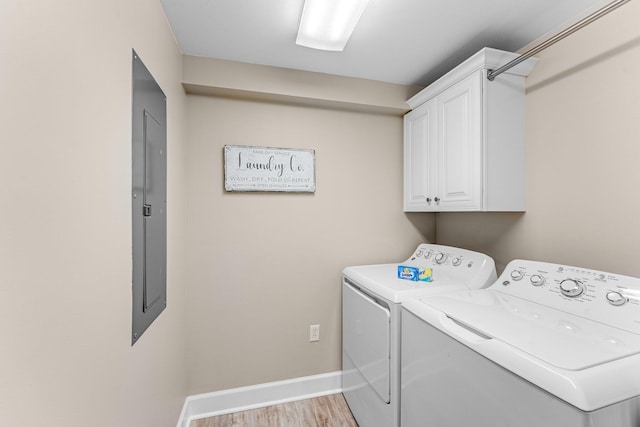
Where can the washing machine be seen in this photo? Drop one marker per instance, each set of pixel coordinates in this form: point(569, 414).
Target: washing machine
point(546, 345)
point(371, 300)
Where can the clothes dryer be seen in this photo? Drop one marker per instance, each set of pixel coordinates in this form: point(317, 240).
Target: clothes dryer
point(371, 300)
point(546, 345)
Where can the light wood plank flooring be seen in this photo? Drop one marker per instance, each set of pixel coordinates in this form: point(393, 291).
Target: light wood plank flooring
point(324, 411)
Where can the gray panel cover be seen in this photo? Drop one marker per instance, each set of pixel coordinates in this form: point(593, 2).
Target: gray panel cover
point(149, 177)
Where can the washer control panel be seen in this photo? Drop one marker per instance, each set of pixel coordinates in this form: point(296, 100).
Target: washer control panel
point(453, 263)
point(608, 298)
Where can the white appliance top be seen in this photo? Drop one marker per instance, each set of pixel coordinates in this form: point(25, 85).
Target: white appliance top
point(572, 331)
point(452, 269)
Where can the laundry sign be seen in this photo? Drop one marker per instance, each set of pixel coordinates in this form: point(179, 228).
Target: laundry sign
point(249, 168)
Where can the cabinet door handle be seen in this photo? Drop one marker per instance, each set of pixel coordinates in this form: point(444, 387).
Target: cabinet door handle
point(428, 199)
point(437, 199)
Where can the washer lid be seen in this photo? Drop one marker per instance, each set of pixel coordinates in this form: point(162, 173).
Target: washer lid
point(560, 339)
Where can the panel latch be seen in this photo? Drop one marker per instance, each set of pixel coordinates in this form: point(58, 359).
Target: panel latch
point(146, 210)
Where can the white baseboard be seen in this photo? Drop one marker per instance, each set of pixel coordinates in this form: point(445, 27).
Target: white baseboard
point(258, 396)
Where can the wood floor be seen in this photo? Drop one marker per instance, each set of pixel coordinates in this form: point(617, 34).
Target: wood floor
point(324, 411)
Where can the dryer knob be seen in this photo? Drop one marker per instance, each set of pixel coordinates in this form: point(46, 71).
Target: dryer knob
point(616, 298)
point(456, 261)
point(440, 258)
point(571, 288)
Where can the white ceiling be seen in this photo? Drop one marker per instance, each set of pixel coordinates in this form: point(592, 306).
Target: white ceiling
point(409, 42)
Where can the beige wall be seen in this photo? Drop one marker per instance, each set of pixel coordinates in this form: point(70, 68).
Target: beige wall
point(65, 240)
point(263, 267)
point(218, 77)
point(583, 149)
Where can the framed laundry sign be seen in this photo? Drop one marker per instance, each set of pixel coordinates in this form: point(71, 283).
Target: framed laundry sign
point(249, 168)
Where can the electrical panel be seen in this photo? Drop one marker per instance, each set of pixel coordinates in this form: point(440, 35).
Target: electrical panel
point(149, 198)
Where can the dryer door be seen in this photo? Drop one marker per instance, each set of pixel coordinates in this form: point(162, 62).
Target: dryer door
point(366, 338)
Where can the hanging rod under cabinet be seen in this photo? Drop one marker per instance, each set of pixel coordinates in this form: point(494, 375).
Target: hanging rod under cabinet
point(492, 74)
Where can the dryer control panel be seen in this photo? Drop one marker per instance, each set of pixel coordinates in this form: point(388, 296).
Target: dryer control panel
point(455, 264)
point(608, 298)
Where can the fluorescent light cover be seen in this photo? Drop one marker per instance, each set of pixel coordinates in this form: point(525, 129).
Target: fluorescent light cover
point(328, 24)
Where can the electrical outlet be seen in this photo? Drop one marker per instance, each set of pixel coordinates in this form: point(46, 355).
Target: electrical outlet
point(314, 333)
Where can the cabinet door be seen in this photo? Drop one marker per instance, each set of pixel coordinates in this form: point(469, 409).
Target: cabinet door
point(420, 152)
point(460, 146)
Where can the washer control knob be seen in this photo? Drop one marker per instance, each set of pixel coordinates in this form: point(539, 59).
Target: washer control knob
point(571, 288)
point(441, 258)
point(428, 254)
point(419, 252)
point(616, 298)
point(456, 261)
point(517, 275)
point(537, 280)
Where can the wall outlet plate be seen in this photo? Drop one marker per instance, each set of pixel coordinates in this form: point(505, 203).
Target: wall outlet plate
point(314, 333)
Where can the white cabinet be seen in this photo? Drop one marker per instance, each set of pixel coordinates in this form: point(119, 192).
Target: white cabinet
point(464, 139)
point(419, 151)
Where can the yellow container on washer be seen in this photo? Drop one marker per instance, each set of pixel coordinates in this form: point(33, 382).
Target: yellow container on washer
point(414, 274)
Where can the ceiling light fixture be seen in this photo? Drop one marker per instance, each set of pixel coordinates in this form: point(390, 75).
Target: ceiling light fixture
point(327, 25)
